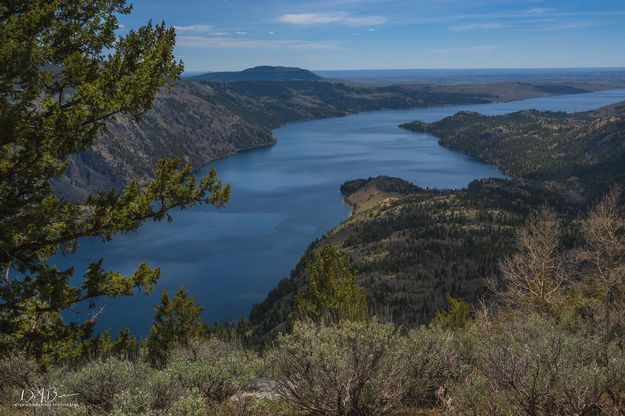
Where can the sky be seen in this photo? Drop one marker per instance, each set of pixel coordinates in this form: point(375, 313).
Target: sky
point(216, 35)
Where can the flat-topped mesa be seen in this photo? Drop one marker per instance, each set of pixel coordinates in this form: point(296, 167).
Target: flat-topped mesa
point(261, 73)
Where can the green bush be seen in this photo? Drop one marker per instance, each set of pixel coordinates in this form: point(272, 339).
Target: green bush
point(435, 360)
point(191, 404)
point(346, 369)
point(216, 369)
point(103, 385)
point(530, 365)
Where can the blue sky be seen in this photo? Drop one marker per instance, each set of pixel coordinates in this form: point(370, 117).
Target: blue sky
point(366, 34)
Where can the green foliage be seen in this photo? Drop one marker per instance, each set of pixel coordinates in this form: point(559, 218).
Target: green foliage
point(190, 404)
point(199, 380)
point(176, 322)
point(215, 369)
point(530, 365)
point(457, 315)
point(102, 385)
point(351, 368)
point(125, 345)
point(64, 73)
point(332, 291)
point(436, 359)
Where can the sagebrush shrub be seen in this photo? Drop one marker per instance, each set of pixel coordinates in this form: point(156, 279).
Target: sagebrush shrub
point(345, 369)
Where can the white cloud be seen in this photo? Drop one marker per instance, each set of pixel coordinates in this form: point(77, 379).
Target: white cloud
point(202, 42)
point(308, 19)
point(241, 33)
point(194, 28)
point(270, 33)
point(477, 26)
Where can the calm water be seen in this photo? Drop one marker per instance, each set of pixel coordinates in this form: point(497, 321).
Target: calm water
point(284, 197)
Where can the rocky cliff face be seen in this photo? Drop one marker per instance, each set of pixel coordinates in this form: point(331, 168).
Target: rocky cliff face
point(185, 122)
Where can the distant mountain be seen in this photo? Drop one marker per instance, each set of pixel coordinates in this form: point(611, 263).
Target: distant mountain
point(261, 73)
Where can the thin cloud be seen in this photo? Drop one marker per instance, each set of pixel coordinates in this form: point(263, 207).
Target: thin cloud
point(194, 28)
point(562, 26)
point(513, 16)
point(477, 26)
point(202, 42)
point(309, 19)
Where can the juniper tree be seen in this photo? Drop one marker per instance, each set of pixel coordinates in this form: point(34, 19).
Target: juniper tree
point(64, 71)
point(332, 293)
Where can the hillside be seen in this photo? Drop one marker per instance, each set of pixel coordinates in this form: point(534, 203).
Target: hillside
point(261, 73)
point(410, 247)
point(200, 121)
point(584, 150)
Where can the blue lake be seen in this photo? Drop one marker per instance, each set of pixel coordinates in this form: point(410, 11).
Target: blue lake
point(283, 197)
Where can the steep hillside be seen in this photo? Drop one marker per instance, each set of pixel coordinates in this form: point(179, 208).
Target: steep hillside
point(410, 247)
point(186, 121)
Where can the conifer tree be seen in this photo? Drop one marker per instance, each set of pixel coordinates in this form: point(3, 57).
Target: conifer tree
point(65, 71)
point(176, 323)
point(332, 292)
point(456, 316)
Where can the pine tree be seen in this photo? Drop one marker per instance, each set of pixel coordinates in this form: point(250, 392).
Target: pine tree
point(457, 315)
point(176, 323)
point(64, 71)
point(332, 292)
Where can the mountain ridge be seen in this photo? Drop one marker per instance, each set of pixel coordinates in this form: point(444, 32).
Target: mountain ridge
point(260, 73)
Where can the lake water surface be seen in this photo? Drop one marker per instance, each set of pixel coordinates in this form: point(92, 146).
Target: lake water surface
point(283, 197)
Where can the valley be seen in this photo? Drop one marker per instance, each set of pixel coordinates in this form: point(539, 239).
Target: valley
point(200, 120)
point(286, 196)
point(430, 221)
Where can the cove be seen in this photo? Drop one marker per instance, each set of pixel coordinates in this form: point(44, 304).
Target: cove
point(283, 197)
